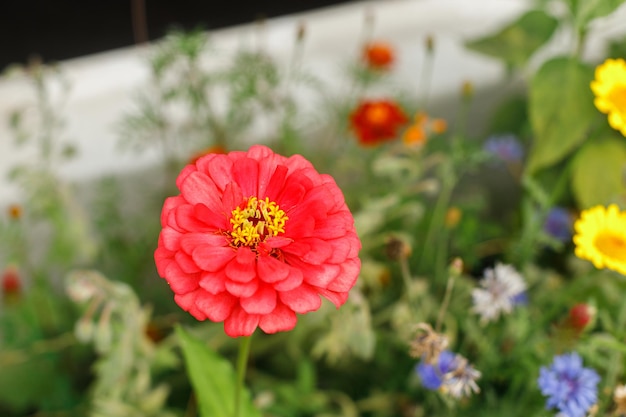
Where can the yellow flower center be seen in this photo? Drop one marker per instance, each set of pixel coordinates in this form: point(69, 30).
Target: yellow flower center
point(611, 245)
point(617, 96)
point(255, 221)
point(377, 114)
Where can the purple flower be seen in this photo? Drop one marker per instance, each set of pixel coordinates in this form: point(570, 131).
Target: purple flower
point(507, 148)
point(432, 376)
point(570, 388)
point(452, 374)
point(558, 224)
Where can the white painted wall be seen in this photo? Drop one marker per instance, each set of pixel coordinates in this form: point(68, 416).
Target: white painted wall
point(103, 85)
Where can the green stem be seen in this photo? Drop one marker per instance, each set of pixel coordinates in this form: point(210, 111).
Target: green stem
point(426, 77)
point(444, 303)
point(406, 276)
point(439, 214)
point(242, 362)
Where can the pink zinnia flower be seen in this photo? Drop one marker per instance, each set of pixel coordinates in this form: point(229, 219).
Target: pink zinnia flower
point(254, 238)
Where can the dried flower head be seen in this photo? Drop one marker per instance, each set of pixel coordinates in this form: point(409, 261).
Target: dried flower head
point(619, 397)
point(427, 344)
point(397, 248)
point(461, 381)
point(451, 374)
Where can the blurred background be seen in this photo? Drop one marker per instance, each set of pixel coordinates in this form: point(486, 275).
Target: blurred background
point(62, 29)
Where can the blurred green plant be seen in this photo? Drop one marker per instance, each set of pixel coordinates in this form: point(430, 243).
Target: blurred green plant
point(433, 211)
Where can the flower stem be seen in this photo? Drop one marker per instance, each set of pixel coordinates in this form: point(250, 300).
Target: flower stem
point(433, 237)
point(242, 362)
point(444, 303)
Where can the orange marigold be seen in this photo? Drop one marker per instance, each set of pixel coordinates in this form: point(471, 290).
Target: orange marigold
point(422, 127)
point(378, 55)
point(377, 121)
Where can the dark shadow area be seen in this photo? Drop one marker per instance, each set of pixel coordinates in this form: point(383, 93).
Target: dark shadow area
point(63, 29)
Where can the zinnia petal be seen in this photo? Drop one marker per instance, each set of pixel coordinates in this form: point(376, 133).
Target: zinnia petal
point(217, 307)
point(240, 323)
point(301, 299)
point(212, 258)
point(263, 301)
point(188, 303)
point(279, 320)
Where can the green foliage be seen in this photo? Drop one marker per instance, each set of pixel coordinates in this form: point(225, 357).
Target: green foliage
point(585, 11)
point(517, 42)
point(25, 325)
point(431, 217)
point(597, 172)
point(126, 354)
point(213, 379)
point(561, 111)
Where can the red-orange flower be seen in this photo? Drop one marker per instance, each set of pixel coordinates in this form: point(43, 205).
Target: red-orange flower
point(378, 55)
point(254, 238)
point(11, 283)
point(377, 121)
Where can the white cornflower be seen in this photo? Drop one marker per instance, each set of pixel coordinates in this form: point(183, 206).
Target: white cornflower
point(501, 289)
point(461, 382)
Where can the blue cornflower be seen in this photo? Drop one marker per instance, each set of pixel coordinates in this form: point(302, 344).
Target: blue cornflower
point(558, 224)
point(570, 388)
point(506, 147)
point(452, 374)
point(432, 375)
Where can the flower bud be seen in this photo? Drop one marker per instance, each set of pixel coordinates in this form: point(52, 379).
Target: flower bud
point(300, 32)
point(453, 217)
point(397, 249)
point(581, 315)
point(456, 267)
point(15, 211)
point(430, 43)
point(467, 89)
point(11, 285)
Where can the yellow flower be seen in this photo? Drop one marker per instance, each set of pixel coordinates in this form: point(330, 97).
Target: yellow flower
point(609, 87)
point(601, 237)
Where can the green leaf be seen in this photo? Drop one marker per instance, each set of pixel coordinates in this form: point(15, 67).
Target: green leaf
point(597, 171)
point(589, 10)
point(510, 116)
point(617, 48)
point(517, 42)
point(213, 379)
point(561, 110)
